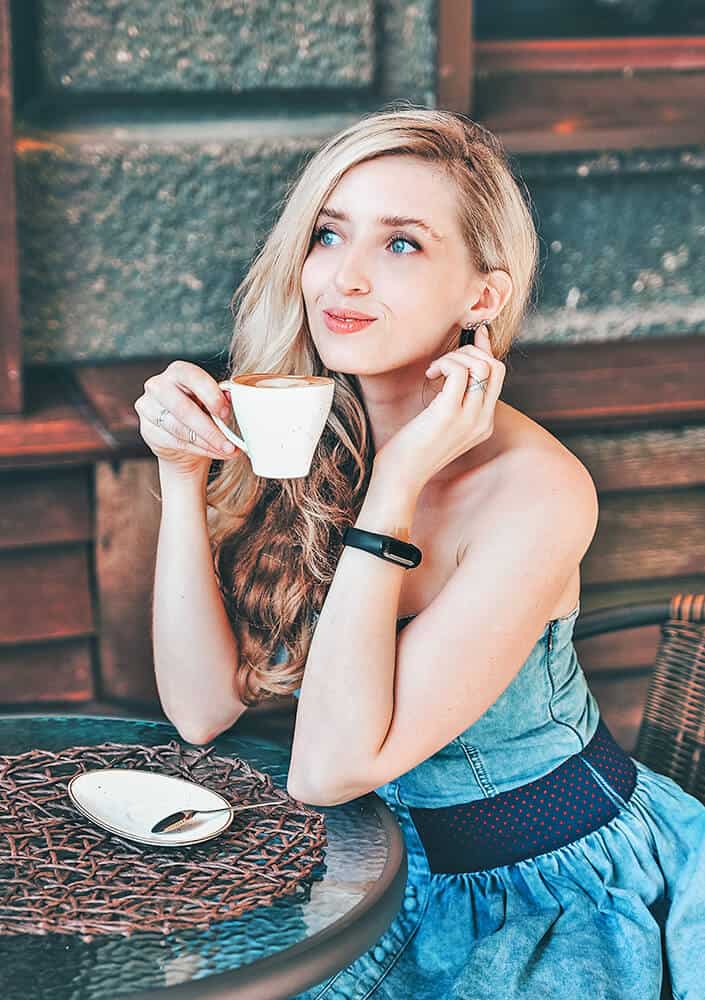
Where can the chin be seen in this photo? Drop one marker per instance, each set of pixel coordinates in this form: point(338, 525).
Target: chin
point(343, 369)
point(337, 361)
point(345, 361)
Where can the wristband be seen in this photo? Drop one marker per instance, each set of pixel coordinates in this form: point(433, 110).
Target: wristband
point(385, 546)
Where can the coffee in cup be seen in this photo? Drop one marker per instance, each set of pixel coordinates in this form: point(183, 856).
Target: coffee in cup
point(281, 419)
point(280, 381)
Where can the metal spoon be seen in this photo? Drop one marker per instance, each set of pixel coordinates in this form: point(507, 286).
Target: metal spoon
point(177, 819)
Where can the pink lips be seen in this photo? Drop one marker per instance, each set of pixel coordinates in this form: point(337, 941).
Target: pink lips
point(346, 320)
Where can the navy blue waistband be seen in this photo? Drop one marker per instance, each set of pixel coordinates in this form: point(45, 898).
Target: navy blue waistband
point(565, 804)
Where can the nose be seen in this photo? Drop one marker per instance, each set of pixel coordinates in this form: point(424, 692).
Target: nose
point(351, 276)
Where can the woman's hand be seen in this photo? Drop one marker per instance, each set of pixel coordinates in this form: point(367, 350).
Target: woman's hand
point(174, 419)
point(460, 416)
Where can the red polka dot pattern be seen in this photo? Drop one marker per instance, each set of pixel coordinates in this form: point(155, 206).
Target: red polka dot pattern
point(540, 816)
point(607, 757)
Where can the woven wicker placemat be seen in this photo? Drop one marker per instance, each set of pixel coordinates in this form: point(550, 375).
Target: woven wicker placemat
point(61, 873)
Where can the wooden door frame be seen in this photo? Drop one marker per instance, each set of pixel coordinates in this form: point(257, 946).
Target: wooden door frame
point(618, 93)
point(11, 396)
point(455, 55)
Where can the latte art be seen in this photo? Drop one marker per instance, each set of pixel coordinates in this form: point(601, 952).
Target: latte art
point(265, 381)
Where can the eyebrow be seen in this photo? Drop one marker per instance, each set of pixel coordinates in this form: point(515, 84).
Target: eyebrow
point(392, 221)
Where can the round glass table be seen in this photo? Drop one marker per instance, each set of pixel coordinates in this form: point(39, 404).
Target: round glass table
point(273, 951)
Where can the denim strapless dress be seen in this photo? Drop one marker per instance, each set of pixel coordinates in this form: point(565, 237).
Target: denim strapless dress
point(616, 913)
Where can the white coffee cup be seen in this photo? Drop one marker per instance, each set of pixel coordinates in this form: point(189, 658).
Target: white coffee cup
point(281, 418)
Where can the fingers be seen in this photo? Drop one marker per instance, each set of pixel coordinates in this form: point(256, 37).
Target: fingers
point(175, 414)
point(467, 366)
point(469, 381)
point(193, 379)
point(459, 375)
point(163, 430)
point(482, 339)
point(164, 440)
point(169, 404)
point(195, 428)
point(493, 371)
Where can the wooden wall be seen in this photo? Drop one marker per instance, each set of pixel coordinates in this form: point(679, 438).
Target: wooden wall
point(48, 619)
point(78, 541)
point(650, 544)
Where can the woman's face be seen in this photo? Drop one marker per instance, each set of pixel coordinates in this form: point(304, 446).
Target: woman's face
point(415, 279)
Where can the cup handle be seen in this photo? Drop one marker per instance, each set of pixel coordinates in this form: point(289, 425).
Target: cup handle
point(224, 427)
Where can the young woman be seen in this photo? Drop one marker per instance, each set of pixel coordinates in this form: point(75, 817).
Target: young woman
point(543, 860)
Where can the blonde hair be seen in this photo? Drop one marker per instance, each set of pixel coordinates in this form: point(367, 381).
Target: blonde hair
point(276, 543)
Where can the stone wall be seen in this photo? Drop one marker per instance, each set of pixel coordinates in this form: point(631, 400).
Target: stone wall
point(159, 139)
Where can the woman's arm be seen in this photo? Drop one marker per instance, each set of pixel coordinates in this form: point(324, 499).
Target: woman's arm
point(195, 649)
point(347, 691)
point(377, 707)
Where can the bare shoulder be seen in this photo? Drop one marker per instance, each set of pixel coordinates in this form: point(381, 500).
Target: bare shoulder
point(531, 470)
point(524, 441)
point(533, 460)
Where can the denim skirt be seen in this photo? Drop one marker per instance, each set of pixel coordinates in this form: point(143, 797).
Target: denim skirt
point(588, 883)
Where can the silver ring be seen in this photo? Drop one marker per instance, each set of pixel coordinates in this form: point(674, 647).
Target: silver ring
point(192, 435)
point(476, 384)
point(161, 416)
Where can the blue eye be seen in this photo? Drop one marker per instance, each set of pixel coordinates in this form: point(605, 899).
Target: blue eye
point(403, 239)
point(320, 233)
point(324, 231)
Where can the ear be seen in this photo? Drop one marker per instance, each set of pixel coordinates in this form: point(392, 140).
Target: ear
point(495, 294)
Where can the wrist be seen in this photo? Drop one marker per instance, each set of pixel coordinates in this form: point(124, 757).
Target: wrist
point(175, 481)
point(387, 475)
point(389, 506)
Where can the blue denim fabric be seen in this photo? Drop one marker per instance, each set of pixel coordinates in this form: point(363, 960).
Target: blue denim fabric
point(618, 914)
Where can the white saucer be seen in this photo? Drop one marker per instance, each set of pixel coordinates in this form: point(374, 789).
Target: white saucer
point(129, 801)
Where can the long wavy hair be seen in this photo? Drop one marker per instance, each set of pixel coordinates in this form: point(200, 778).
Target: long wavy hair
point(276, 542)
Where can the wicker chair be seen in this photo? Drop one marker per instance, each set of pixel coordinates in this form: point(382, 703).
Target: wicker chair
point(671, 737)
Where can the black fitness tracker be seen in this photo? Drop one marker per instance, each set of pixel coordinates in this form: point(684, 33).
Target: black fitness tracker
point(385, 546)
